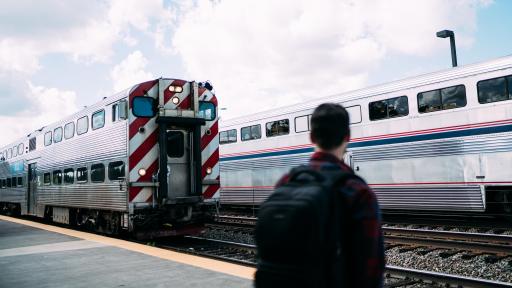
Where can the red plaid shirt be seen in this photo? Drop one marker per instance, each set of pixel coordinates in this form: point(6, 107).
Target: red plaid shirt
point(366, 252)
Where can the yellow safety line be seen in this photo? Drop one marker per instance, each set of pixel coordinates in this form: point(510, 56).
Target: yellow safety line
point(205, 263)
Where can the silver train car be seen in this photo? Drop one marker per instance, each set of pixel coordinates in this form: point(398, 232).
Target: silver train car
point(144, 161)
point(436, 142)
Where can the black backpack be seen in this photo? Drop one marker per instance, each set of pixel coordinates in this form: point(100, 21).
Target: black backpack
point(298, 231)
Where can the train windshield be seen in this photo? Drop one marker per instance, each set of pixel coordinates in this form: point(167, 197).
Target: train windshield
point(143, 107)
point(206, 110)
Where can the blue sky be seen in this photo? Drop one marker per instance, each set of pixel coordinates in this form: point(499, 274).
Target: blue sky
point(53, 60)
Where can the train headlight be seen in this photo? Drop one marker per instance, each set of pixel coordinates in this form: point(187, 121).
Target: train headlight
point(142, 172)
point(177, 89)
point(175, 100)
point(209, 170)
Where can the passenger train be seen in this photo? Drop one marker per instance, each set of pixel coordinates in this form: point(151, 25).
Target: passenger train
point(436, 142)
point(144, 160)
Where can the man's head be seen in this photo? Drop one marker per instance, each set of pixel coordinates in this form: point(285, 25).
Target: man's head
point(330, 127)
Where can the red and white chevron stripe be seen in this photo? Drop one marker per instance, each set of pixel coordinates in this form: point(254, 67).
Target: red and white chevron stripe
point(210, 149)
point(143, 148)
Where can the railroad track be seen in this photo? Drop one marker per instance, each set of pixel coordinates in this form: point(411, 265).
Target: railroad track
point(477, 243)
point(245, 254)
point(500, 245)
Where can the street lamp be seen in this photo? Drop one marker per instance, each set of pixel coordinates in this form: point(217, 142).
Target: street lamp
point(446, 34)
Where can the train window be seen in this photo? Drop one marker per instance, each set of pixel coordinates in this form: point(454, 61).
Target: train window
point(442, 99)
point(389, 108)
point(115, 112)
point(69, 130)
point(250, 132)
point(81, 175)
point(98, 119)
point(21, 146)
point(57, 177)
point(378, 110)
point(32, 144)
point(9, 153)
point(14, 151)
point(69, 176)
point(2, 183)
point(453, 97)
point(13, 182)
point(47, 178)
point(494, 90)
point(175, 144)
point(57, 135)
point(48, 138)
point(116, 170)
point(277, 128)
point(302, 123)
point(97, 173)
point(82, 125)
point(354, 113)
point(227, 136)
point(509, 83)
point(206, 110)
point(20, 181)
point(8, 183)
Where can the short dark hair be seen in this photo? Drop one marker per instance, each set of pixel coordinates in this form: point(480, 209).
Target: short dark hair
point(329, 125)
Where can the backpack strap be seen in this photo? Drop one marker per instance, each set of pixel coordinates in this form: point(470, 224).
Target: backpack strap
point(335, 177)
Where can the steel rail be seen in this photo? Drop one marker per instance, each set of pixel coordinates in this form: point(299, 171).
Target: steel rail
point(476, 242)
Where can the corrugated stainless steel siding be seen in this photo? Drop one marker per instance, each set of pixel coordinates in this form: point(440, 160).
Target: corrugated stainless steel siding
point(102, 145)
point(244, 196)
point(266, 162)
point(14, 195)
point(106, 196)
point(472, 145)
point(456, 197)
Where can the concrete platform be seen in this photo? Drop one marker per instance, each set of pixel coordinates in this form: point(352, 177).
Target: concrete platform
point(38, 255)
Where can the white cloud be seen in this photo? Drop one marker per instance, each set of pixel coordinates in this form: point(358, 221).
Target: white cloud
point(42, 107)
point(130, 71)
point(33, 29)
point(279, 52)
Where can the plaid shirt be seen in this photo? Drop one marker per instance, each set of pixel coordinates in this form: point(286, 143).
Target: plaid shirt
point(366, 252)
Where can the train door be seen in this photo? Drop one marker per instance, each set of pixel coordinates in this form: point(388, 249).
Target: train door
point(32, 188)
point(179, 164)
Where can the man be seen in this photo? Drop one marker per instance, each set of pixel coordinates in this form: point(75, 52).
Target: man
point(364, 255)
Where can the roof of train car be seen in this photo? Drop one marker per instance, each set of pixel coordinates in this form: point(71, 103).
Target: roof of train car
point(85, 111)
point(411, 82)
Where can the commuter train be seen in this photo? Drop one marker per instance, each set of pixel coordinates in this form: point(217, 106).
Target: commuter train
point(436, 142)
point(144, 160)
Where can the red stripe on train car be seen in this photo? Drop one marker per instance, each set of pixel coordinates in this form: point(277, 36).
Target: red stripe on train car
point(134, 191)
point(185, 103)
point(211, 162)
point(206, 139)
point(135, 125)
point(210, 191)
point(142, 88)
point(214, 100)
point(143, 149)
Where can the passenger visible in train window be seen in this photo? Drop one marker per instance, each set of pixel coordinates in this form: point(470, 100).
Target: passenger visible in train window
point(357, 229)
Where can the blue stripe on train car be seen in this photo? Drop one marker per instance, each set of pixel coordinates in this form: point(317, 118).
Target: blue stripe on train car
point(398, 140)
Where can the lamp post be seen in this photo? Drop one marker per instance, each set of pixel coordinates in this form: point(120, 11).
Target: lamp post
point(446, 34)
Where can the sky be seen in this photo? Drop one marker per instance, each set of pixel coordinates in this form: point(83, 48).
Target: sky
point(57, 56)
